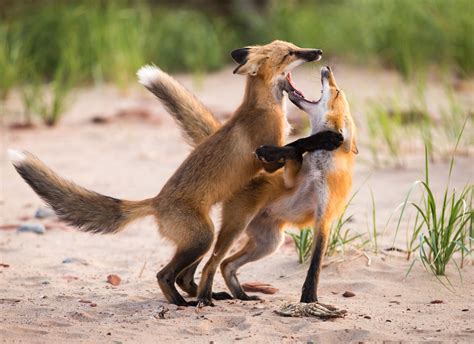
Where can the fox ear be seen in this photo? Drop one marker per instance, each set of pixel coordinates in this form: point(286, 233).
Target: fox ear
point(350, 144)
point(240, 55)
point(247, 64)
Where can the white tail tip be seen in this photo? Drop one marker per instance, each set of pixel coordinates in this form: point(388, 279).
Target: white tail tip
point(15, 156)
point(148, 75)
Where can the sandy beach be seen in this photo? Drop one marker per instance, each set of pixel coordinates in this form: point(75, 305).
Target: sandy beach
point(54, 289)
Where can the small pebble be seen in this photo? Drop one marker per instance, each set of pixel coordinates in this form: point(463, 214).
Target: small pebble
point(367, 317)
point(37, 228)
point(436, 302)
point(74, 260)
point(114, 279)
point(348, 294)
point(42, 213)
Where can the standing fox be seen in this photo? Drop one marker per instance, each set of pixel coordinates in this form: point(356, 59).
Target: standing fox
point(311, 190)
point(219, 167)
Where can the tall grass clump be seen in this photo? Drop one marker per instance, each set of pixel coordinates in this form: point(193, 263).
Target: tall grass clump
point(442, 225)
point(446, 225)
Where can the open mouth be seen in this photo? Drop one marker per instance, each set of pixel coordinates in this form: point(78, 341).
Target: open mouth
point(296, 96)
point(291, 88)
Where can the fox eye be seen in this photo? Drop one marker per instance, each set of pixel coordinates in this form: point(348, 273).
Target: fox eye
point(291, 53)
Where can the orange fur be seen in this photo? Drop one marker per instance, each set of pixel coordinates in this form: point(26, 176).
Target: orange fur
point(219, 167)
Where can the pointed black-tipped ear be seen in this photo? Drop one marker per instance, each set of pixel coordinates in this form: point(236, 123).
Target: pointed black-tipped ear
point(240, 55)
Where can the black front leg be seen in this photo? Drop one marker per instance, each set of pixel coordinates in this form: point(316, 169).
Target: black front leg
point(276, 156)
point(325, 140)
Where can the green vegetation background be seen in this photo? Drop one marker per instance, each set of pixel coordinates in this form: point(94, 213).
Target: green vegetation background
point(74, 42)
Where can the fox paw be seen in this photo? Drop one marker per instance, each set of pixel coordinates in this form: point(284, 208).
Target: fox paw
point(271, 154)
point(329, 140)
point(222, 296)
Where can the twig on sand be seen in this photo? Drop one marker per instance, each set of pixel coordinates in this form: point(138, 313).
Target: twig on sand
point(142, 269)
point(343, 259)
point(362, 253)
point(332, 261)
point(161, 311)
point(9, 226)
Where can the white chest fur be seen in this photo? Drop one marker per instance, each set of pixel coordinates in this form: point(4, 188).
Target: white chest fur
point(311, 193)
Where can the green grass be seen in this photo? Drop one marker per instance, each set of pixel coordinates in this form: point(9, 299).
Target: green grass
point(118, 36)
point(97, 41)
point(385, 132)
point(443, 225)
point(303, 241)
point(399, 126)
point(446, 224)
point(372, 231)
point(454, 116)
point(404, 34)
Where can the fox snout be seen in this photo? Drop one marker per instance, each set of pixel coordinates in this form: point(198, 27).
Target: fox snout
point(309, 54)
point(325, 72)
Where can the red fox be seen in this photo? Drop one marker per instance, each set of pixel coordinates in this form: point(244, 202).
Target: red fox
point(219, 167)
point(310, 190)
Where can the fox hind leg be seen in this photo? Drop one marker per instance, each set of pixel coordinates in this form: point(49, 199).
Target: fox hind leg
point(186, 282)
point(264, 238)
point(185, 279)
point(189, 252)
point(237, 213)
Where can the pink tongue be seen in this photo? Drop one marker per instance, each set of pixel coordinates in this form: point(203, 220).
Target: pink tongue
point(290, 81)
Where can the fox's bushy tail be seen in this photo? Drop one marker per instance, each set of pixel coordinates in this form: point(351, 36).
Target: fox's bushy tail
point(193, 117)
point(87, 210)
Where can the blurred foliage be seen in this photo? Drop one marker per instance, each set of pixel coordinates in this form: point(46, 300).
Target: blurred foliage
point(399, 125)
point(91, 40)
